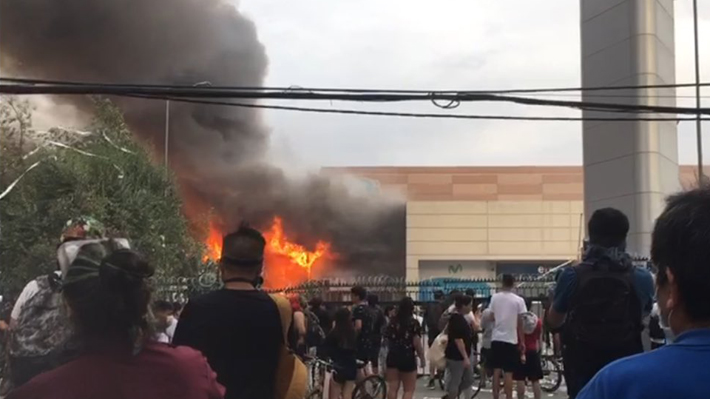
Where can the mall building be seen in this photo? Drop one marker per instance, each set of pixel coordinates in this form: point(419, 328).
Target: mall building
point(480, 222)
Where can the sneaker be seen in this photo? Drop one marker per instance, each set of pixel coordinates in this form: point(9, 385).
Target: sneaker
point(431, 384)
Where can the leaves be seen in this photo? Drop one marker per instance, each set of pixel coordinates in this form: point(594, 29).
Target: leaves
point(118, 185)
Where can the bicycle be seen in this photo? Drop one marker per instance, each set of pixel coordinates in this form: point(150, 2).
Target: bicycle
point(551, 374)
point(371, 387)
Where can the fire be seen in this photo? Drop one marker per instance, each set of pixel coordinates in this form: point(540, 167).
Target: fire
point(286, 263)
point(279, 245)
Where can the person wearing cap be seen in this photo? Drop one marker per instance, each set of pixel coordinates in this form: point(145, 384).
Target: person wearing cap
point(237, 328)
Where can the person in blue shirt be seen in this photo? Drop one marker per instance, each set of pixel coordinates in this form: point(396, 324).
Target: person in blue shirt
point(680, 250)
point(601, 302)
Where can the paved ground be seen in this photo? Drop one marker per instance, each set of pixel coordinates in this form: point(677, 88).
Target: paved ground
point(424, 393)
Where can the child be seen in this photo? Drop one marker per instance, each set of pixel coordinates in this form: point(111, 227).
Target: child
point(530, 367)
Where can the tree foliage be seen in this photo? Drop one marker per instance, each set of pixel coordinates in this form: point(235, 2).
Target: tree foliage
point(104, 174)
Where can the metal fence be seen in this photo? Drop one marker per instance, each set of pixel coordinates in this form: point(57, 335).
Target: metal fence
point(388, 289)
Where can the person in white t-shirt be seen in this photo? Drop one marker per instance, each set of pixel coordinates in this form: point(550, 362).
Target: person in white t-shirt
point(507, 345)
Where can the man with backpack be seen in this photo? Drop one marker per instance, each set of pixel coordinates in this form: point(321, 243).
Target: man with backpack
point(601, 301)
point(40, 332)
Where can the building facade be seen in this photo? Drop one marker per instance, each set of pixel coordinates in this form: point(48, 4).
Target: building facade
point(480, 222)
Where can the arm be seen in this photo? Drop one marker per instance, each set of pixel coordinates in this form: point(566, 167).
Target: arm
point(521, 334)
point(183, 331)
point(299, 323)
point(563, 292)
point(462, 349)
point(357, 319)
point(419, 346)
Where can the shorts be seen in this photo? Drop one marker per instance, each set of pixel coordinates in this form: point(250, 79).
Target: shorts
point(341, 375)
point(374, 357)
point(485, 356)
point(531, 370)
point(504, 356)
point(403, 364)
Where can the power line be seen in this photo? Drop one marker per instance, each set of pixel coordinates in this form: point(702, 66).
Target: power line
point(418, 115)
point(354, 90)
point(217, 92)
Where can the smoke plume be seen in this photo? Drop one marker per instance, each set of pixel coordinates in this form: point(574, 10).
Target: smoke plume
point(217, 152)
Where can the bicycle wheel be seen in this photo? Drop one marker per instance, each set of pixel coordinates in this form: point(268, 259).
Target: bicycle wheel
point(551, 375)
point(478, 383)
point(372, 387)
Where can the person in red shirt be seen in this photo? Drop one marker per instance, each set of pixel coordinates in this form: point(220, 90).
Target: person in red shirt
point(108, 298)
point(530, 367)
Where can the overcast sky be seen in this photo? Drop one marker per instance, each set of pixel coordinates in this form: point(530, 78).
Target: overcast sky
point(452, 44)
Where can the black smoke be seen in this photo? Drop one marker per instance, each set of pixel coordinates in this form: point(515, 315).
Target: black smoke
point(217, 152)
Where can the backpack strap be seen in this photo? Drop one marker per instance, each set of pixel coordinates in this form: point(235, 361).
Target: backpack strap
point(285, 313)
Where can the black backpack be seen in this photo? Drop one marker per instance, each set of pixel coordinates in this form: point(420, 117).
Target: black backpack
point(315, 336)
point(605, 311)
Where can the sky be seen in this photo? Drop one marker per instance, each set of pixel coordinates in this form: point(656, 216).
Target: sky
point(438, 45)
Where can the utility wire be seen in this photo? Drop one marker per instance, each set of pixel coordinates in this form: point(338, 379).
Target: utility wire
point(217, 92)
point(353, 90)
point(417, 115)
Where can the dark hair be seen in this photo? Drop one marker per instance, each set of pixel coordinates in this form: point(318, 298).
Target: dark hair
point(343, 330)
point(438, 295)
point(680, 243)
point(388, 309)
point(177, 307)
point(508, 280)
point(471, 292)
point(405, 311)
point(243, 248)
point(608, 228)
point(463, 300)
point(373, 300)
point(108, 294)
point(359, 292)
point(163, 306)
point(316, 302)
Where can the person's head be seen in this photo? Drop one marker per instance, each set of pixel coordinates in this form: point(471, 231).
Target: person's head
point(608, 228)
point(373, 300)
point(177, 309)
point(242, 254)
point(343, 328)
point(359, 294)
point(471, 292)
point(438, 295)
point(463, 304)
point(82, 228)
point(452, 297)
point(680, 251)
point(389, 311)
point(162, 310)
point(508, 281)
point(295, 301)
point(405, 310)
point(316, 302)
point(107, 293)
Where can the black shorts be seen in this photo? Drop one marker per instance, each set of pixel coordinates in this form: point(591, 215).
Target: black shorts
point(485, 356)
point(374, 357)
point(531, 370)
point(341, 375)
point(504, 356)
point(403, 364)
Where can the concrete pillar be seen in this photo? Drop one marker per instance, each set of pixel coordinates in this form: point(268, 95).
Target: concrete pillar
point(632, 165)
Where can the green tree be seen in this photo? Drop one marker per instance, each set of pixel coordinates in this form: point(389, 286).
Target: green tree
point(104, 174)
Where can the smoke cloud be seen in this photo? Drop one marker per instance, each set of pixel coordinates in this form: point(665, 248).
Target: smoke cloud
point(217, 152)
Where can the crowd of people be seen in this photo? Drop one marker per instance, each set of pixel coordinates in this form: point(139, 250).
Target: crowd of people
point(92, 329)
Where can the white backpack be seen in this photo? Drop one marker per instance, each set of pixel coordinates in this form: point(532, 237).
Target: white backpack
point(529, 322)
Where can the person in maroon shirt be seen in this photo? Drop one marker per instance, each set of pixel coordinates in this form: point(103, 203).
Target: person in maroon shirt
point(530, 367)
point(108, 297)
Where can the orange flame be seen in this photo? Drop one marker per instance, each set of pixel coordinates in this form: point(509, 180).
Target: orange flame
point(279, 245)
point(285, 260)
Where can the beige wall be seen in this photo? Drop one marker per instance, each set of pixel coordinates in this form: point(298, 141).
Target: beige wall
point(491, 231)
